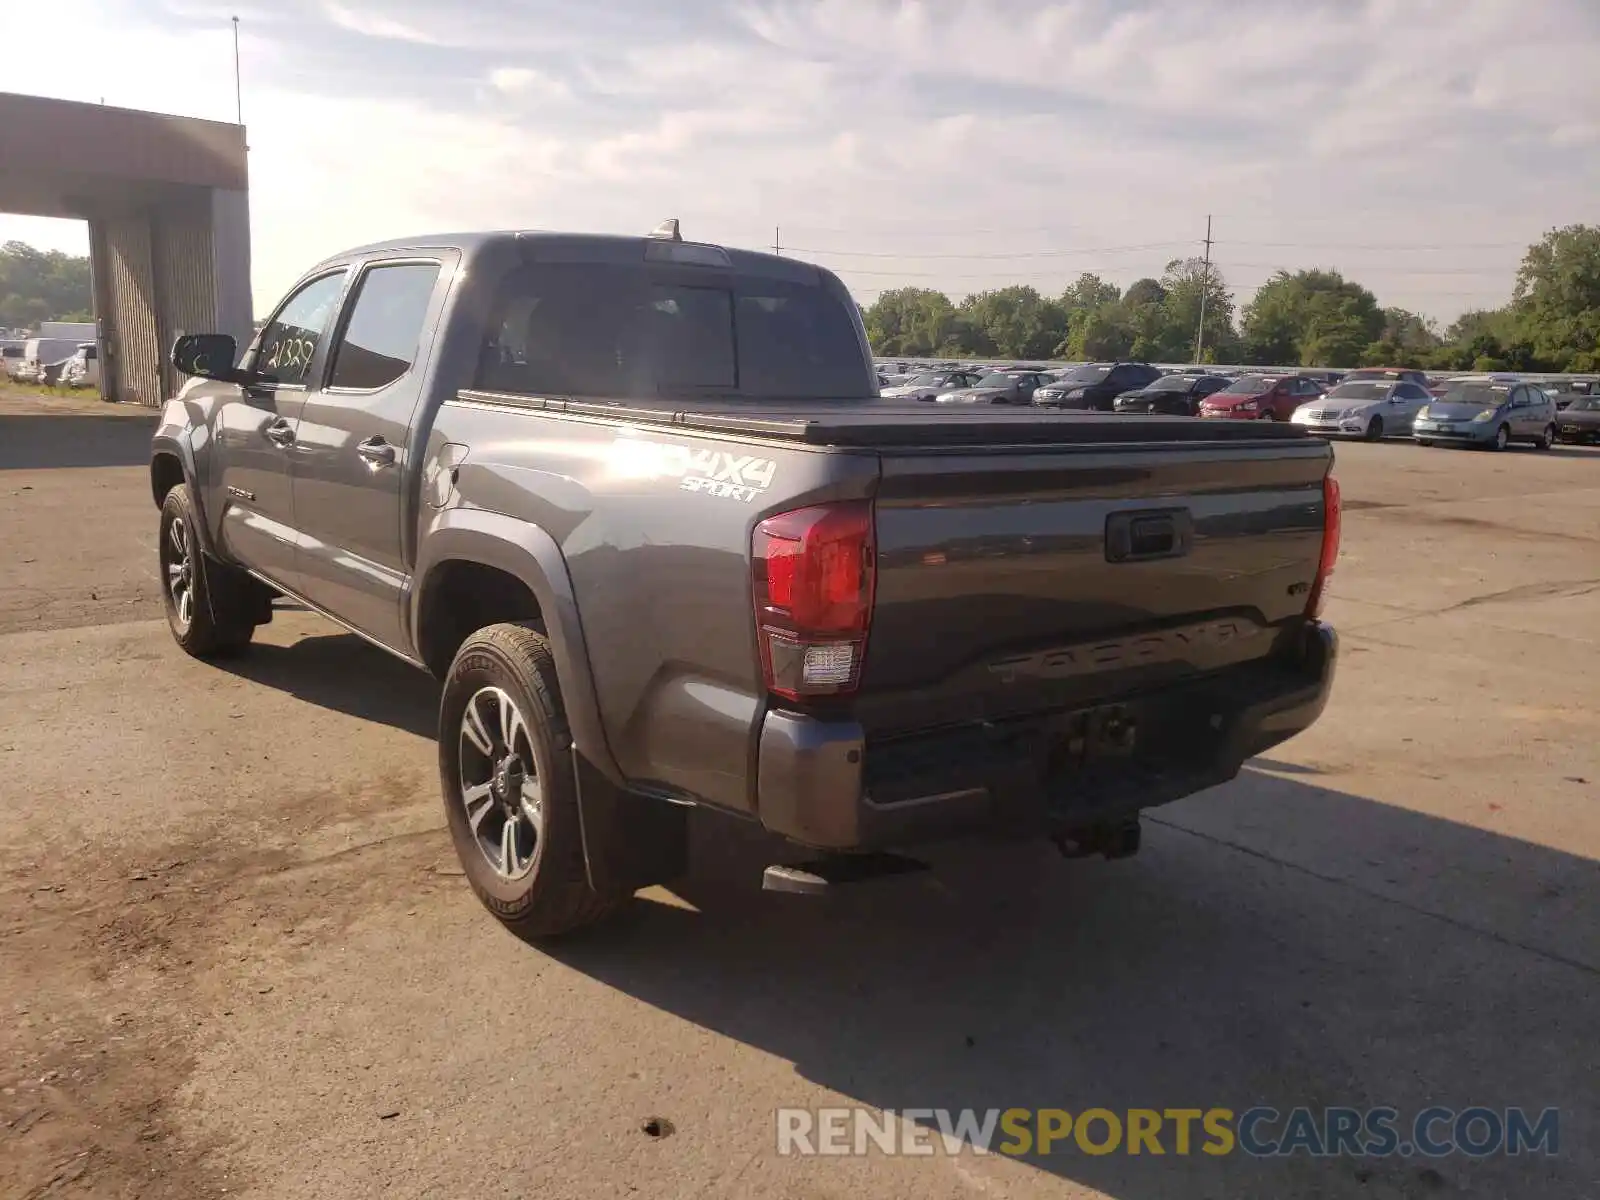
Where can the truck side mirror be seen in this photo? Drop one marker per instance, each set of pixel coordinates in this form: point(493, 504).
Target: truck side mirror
point(208, 355)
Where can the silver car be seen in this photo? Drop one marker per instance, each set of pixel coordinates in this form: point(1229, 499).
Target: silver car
point(1367, 408)
point(929, 385)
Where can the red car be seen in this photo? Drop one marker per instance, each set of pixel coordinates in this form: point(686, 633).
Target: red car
point(1261, 398)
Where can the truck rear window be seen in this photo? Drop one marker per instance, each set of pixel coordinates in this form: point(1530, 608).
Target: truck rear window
point(626, 333)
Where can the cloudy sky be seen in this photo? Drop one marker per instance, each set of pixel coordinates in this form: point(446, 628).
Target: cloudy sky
point(1417, 145)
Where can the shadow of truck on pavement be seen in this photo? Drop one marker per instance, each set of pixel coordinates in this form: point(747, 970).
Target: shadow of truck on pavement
point(1275, 942)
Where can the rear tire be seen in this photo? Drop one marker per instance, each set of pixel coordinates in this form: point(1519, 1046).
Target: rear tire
point(212, 608)
point(505, 763)
point(1374, 429)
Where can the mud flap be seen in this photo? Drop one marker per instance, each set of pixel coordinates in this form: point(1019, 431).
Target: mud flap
point(629, 841)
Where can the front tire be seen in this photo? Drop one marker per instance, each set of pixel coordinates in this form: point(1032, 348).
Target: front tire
point(1502, 438)
point(211, 607)
point(510, 794)
point(1375, 429)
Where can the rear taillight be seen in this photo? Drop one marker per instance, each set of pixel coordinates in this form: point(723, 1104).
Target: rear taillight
point(813, 572)
point(1331, 523)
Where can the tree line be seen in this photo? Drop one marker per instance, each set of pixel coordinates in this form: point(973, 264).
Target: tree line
point(1315, 318)
point(42, 285)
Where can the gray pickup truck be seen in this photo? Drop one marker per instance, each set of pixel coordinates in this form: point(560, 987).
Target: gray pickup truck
point(638, 504)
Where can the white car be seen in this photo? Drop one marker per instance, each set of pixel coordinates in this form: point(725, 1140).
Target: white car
point(83, 368)
point(1366, 408)
point(929, 385)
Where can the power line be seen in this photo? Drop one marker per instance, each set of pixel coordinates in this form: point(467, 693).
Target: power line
point(987, 255)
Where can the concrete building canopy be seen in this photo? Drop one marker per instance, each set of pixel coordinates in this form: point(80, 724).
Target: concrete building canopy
point(166, 199)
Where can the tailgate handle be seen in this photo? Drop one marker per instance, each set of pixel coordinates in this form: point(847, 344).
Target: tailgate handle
point(1150, 533)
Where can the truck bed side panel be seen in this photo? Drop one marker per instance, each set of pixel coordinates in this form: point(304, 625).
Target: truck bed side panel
point(656, 536)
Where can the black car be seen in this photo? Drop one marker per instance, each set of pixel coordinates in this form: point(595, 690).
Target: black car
point(1580, 420)
point(1095, 385)
point(1174, 395)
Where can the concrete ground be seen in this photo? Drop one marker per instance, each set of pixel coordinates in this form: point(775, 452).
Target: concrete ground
point(236, 953)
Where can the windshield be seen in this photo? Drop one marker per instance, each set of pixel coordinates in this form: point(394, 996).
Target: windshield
point(1086, 374)
point(1476, 395)
point(1171, 383)
point(926, 380)
point(1250, 385)
point(626, 332)
point(1370, 390)
point(998, 379)
point(1374, 373)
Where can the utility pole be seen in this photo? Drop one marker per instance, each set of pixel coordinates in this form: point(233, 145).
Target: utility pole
point(238, 90)
point(1205, 285)
point(777, 244)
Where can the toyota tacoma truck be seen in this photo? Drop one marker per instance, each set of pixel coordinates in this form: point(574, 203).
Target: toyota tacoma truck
point(637, 503)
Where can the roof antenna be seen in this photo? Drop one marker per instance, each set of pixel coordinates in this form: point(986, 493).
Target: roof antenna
point(667, 231)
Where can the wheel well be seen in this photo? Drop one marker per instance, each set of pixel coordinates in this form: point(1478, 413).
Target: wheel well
point(166, 473)
point(459, 598)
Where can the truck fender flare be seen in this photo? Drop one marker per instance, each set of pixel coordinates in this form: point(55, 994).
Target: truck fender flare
point(174, 438)
point(526, 552)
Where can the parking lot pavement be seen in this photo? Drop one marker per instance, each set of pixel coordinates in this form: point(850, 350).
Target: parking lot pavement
point(237, 952)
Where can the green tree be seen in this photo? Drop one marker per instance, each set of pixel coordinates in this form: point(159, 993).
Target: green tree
point(1184, 282)
point(1016, 320)
point(1557, 299)
point(40, 285)
point(1314, 318)
point(1090, 291)
point(910, 321)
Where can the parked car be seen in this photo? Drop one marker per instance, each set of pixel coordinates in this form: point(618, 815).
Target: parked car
point(1260, 398)
point(931, 384)
point(1387, 374)
point(1580, 420)
point(42, 360)
point(1096, 385)
point(1369, 408)
point(82, 370)
point(1565, 391)
point(11, 356)
point(998, 387)
point(633, 501)
point(1173, 395)
point(1488, 411)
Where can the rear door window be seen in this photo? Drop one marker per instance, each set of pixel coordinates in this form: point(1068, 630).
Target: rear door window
point(380, 338)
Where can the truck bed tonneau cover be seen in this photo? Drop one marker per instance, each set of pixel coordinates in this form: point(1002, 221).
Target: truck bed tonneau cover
point(866, 423)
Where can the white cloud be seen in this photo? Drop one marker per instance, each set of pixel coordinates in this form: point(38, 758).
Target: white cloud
point(910, 132)
point(375, 25)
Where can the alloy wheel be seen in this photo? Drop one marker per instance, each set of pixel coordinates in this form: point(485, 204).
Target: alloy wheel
point(500, 787)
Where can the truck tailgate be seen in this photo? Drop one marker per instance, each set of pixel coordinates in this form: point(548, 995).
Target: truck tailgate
point(1026, 578)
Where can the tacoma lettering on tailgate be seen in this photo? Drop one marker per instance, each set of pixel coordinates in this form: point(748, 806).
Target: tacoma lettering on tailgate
point(1139, 650)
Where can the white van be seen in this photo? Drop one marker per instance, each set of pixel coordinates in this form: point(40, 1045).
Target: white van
point(39, 353)
point(83, 368)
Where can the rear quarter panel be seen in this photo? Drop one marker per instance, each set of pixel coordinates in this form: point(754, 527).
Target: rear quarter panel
point(656, 540)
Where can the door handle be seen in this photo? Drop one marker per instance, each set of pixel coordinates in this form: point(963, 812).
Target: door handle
point(376, 452)
point(279, 433)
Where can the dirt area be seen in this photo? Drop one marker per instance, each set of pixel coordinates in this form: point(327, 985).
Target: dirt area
point(237, 956)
